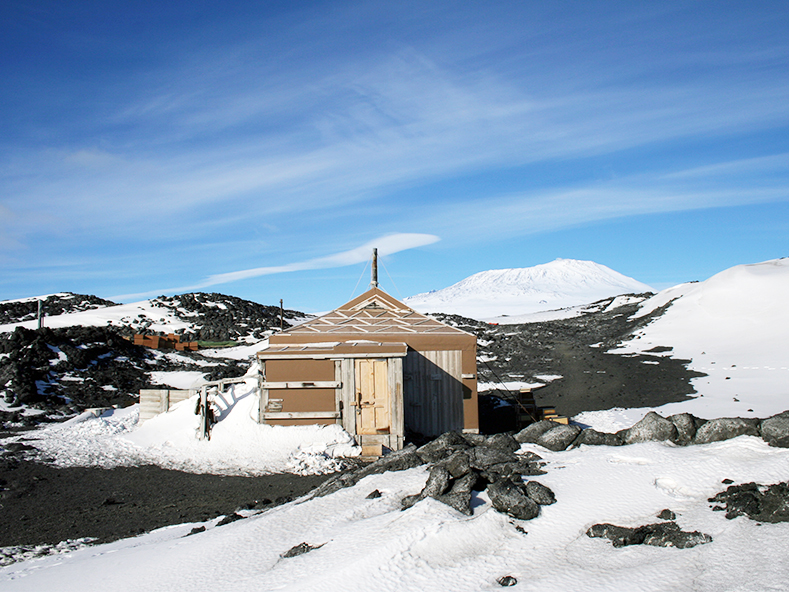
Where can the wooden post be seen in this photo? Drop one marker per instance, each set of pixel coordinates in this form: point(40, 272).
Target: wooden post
point(374, 279)
point(203, 412)
point(281, 315)
point(263, 392)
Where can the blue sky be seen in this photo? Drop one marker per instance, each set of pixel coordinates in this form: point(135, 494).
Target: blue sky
point(259, 148)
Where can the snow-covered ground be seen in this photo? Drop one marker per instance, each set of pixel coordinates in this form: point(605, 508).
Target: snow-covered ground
point(559, 284)
point(732, 326)
point(371, 545)
point(238, 444)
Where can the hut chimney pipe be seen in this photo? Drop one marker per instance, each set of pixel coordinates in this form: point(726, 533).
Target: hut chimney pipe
point(374, 279)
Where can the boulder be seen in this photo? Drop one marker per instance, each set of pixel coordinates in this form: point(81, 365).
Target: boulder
point(437, 483)
point(442, 447)
point(663, 534)
point(457, 463)
point(592, 437)
point(475, 439)
point(667, 514)
point(540, 494)
point(725, 428)
point(481, 457)
point(532, 432)
point(652, 428)
point(775, 430)
point(510, 499)
point(459, 496)
point(686, 427)
point(559, 437)
point(504, 442)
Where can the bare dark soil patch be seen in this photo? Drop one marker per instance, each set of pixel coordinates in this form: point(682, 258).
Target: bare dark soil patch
point(577, 349)
point(45, 504)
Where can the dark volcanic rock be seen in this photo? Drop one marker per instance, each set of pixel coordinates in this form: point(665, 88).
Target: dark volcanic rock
point(764, 503)
point(686, 427)
point(400, 460)
point(531, 433)
point(482, 457)
point(559, 437)
point(667, 515)
point(300, 549)
point(725, 428)
point(540, 494)
point(663, 534)
point(503, 442)
point(510, 499)
point(457, 464)
point(442, 447)
point(592, 437)
point(775, 430)
point(652, 428)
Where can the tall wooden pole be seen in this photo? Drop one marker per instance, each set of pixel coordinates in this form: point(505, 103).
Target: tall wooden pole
point(374, 280)
point(281, 315)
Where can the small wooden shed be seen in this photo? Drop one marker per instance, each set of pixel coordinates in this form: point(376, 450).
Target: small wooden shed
point(376, 367)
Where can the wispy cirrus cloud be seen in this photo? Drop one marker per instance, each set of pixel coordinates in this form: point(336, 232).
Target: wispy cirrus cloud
point(386, 245)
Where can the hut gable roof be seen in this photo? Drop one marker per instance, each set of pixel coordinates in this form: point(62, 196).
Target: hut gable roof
point(374, 312)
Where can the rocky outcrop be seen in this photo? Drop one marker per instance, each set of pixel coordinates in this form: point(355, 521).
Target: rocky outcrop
point(662, 534)
point(764, 503)
point(683, 429)
point(652, 428)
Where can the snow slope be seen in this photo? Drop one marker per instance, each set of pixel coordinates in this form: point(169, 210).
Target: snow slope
point(370, 545)
point(559, 284)
point(734, 327)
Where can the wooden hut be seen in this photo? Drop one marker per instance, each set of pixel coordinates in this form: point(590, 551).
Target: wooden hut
point(376, 367)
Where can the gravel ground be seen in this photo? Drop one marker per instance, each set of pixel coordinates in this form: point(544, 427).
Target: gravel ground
point(45, 504)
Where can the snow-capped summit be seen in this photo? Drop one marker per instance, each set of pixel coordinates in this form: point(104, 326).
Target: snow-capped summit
point(558, 284)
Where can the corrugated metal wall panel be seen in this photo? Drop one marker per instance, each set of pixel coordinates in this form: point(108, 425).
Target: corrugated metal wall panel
point(433, 391)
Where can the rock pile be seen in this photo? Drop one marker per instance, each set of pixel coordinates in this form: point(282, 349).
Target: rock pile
point(60, 372)
point(70, 369)
point(683, 429)
point(461, 464)
point(764, 503)
point(218, 317)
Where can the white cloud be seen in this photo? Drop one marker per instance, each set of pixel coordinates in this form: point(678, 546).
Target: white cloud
point(386, 245)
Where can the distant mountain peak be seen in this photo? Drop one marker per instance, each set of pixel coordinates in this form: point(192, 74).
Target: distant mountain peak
point(558, 284)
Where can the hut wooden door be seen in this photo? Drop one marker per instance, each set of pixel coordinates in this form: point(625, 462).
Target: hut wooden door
point(372, 397)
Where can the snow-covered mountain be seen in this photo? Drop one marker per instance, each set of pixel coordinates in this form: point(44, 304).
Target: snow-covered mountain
point(558, 284)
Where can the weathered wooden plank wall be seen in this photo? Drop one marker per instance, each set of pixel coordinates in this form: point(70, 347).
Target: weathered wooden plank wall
point(433, 391)
point(156, 401)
